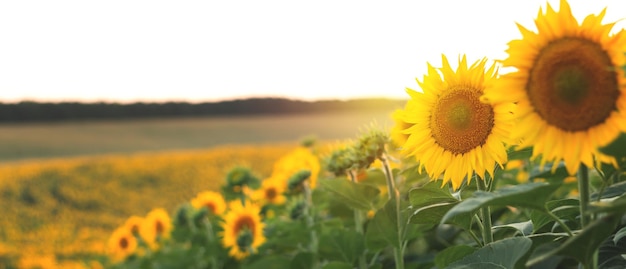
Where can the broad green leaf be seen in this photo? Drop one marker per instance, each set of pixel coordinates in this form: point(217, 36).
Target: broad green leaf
point(530, 195)
point(269, 262)
point(500, 254)
point(452, 254)
point(355, 195)
point(619, 235)
point(342, 245)
point(336, 265)
point(565, 209)
point(385, 223)
point(610, 192)
point(302, 260)
point(524, 228)
point(430, 194)
point(583, 245)
point(431, 214)
point(478, 265)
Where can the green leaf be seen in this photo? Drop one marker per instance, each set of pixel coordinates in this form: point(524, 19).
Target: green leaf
point(524, 228)
point(616, 148)
point(619, 235)
point(530, 195)
point(336, 265)
point(565, 209)
point(342, 245)
point(520, 154)
point(429, 194)
point(269, 262)
point(432, 214)
point(385, 223)
point(500, 254)
point(583, 245)
point(303, 260)
point(356, 196)
point(610, 192)
point(452, 254)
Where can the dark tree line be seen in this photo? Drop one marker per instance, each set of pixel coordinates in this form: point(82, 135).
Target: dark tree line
point(28, 111)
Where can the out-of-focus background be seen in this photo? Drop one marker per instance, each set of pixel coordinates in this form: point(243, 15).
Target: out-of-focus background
point(109, 109)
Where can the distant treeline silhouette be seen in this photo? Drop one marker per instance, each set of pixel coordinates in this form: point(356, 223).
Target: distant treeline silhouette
point(29, 111)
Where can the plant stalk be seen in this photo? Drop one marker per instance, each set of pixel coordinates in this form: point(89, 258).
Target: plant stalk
point(394, 196)
point(358, 223)
point(485, 214)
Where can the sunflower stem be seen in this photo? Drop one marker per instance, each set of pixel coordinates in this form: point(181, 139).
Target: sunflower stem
point(358, 222)
point(394, 196)
point(485, 214)
point(211, 238)
point(309, 217)
point(583, 190)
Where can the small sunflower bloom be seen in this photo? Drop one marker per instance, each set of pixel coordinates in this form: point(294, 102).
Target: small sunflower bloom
point(568, 86)
point(451, 132)
point(122, 243)
point(133, 224)
point(271, 192)
point(242, 229)
point(156, 226)
point(213, 201)
point(299, 159)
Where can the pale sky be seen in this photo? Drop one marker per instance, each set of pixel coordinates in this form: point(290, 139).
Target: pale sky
point(126, 50)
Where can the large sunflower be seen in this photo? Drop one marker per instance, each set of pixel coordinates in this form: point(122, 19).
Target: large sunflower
point(122, 243)
point(213, 201)
point(451, 131)
point(568, 87)
point(243, 229)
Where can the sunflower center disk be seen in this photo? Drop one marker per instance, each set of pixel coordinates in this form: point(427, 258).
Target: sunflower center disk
point(571, 85)
point(244, 223)
point(124, 243)
point(460, 122)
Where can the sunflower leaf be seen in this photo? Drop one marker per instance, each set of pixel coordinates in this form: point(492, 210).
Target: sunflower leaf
point(356, 196)
point(452, 254)
point(530, 195)
point(505, 253)
point(582, 246)
point(616, 148)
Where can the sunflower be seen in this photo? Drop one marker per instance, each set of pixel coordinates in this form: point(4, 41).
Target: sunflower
point(156, 225)
point(122, 243)
point(299, 159)
point(243, 229)
point(213, 201)
point(271, 192)
point(133, 224)
point(452, 133)
point(568, 87)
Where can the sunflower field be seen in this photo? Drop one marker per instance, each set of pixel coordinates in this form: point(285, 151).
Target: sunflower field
point(482, 169)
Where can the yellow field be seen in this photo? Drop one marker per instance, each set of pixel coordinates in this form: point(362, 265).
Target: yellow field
point(60, 211)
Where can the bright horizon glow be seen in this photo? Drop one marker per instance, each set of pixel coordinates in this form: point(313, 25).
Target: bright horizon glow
point(158, 51)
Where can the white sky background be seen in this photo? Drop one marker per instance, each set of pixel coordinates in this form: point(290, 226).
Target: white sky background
point(125, 50)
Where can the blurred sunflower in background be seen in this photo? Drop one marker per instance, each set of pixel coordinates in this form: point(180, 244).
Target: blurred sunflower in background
point(156, 226)
point(451, 132)
point(122, 243)
point(213, 201)
point(568, 87)
point(133, 224)
point(271, 192)
point(242, 229)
